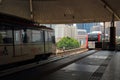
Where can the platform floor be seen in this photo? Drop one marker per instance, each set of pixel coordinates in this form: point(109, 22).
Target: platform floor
point(103, 65)
point(113, 70)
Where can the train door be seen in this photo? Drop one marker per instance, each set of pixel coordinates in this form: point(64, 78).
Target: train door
point(26, 41)
point(37, 44)
point(17, 42)
point(53, 49)
point(6, 45)
point(46, 42)
point(50, 41)
point(22, 42)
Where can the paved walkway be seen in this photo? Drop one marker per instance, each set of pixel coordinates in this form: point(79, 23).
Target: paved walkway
point(103, 65)
point(113, 70)
point(89, 68)
point(35, 73)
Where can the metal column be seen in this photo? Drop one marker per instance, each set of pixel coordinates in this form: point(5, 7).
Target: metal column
point(103, 41)
point(112, 35)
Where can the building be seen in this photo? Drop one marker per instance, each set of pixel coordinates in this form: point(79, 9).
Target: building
point(96, 28)
point(64, 30)
point(81, 37)
point(86, 26)
point(117, 25)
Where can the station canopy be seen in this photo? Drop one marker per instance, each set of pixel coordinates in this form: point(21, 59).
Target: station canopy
point(62, 11)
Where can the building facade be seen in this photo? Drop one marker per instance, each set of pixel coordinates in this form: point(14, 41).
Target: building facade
point(64, 30)
point(87, 26)
point(82, 37)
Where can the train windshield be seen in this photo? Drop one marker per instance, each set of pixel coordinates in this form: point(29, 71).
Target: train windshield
point(92, 37)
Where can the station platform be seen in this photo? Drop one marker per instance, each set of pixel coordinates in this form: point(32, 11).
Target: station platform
point(103, 65)
point(100, 65)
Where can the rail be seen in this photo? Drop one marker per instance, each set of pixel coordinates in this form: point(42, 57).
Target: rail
point(47, 62)
point(70, 51)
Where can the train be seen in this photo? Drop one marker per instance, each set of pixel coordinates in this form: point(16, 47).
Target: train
point(22, 39)
point(95, 39)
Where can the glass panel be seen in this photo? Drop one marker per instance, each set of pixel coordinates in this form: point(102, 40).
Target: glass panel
point(36, 37)
point(35, 45)
point(17, 36)
point(18, 41)
point(41, 36)
point(46, 36)
point(26, 40)
point(25, 36)
point(92, 37)
point(6, 42)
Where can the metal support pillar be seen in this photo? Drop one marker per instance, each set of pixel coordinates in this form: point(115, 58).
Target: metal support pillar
point(112, 35)
point(103, 41)
point(31, 10)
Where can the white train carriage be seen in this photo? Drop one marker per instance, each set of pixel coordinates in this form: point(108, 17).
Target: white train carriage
point(21, 39)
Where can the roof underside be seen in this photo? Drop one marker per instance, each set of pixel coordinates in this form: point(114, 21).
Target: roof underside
point(62, 11)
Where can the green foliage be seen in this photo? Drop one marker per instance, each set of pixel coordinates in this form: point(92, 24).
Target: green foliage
point(68, 43)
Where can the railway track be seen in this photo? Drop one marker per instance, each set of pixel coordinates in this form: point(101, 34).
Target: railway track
point(53, 57)
point(42, 64)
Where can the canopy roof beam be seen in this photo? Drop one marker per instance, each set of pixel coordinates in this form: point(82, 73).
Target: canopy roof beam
point(108, 7)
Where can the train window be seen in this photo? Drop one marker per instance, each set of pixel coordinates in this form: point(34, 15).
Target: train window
point(17, 36)
point(24, 36)
point(6, 40)
point(6, 36)
point(2, 35)
point(50, 36)
point(92, 37)
point(36, 37)
point(53, 37)
point(46, 36)
point(29, 35)
point(41, 34)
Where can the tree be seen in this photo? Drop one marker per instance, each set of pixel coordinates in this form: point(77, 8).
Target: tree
point(68, 43)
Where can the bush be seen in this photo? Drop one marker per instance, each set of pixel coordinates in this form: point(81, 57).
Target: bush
point(68, 43)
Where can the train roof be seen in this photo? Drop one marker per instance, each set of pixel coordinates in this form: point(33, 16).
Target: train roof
point(82, 30)
point(44, 27)
point(10, 21)
point(95, 32)
point(14, 19)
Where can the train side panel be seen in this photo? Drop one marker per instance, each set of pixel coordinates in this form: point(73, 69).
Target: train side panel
point(34, 47)
point(22, 39)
